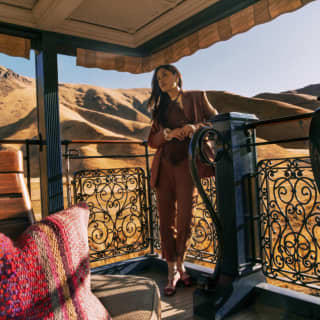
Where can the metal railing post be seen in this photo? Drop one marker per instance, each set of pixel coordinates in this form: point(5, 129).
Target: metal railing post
point(67, 158)
point(149, 198)
point(28, 166)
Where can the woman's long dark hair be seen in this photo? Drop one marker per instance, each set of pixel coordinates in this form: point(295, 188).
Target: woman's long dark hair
point(159, 100)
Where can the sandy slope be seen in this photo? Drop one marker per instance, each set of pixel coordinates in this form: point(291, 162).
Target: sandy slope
point(299, 99)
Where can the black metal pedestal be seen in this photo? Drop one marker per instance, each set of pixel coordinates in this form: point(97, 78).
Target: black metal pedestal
point(226, 296)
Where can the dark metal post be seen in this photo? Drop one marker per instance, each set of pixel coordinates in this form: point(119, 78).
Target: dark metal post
point(67, 158)
point(49, 125)
point(238, 272)
point(28, 166)
point(231, 171)
point(149, 198)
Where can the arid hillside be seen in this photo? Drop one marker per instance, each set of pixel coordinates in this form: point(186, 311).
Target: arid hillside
point(86, 113)
point(306, 97)
point(95, 113)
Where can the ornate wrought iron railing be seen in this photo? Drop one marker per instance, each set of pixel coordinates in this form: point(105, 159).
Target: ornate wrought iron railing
point(204, 245)
point(119, 222)
point(290, 220)
point(289, 212)
point(119, 219)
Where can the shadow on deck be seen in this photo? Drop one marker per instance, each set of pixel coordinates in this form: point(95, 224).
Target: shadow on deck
point(263, 305)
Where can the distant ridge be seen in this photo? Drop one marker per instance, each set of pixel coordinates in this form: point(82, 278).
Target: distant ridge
point(306, 97)
point(312, 89)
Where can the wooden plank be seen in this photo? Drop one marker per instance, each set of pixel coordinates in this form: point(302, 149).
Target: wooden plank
point(177, 307)
point(180, 306)
point(52, 13)
point(11, 161)
point(11, 183)
point(14, 197)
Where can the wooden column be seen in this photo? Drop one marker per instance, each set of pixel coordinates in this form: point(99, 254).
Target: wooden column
point(49, 126)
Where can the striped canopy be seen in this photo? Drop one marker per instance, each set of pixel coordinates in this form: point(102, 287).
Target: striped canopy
point(259, 12)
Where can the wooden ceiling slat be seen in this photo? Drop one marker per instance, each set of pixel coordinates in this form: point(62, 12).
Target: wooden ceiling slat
point(51, 13)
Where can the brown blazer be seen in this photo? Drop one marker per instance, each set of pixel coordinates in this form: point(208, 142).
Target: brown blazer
point(197, 110)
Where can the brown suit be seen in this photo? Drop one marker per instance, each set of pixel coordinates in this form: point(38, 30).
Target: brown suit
point(174, 183)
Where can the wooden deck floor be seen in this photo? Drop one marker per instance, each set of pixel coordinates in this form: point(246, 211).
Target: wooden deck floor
point(180, 306)
point(177, 307)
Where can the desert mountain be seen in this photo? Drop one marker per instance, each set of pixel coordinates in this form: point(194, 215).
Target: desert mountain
point(95, 113)
point(86, 113)
point(306, 97)
point(312, 89)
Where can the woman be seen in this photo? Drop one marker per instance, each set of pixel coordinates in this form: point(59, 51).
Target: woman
point(176, 116)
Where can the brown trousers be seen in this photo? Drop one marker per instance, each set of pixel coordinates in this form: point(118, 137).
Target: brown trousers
point(175, 190)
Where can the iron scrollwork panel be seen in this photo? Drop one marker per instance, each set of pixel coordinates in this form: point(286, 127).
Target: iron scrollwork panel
point(118, 223)
point(290, 220)
point(204, 242)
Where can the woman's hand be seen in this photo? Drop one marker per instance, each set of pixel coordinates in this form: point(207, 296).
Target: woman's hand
point(177, 133)
point(188, 130)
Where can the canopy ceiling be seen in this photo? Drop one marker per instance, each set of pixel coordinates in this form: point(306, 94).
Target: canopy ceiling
point(138, 35)
point(124, 22)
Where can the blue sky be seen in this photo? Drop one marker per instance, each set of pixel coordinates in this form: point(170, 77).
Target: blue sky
point(281, 55)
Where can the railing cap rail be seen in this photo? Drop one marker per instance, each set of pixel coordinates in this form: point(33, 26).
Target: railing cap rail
point(255, 124)
point(37, 141)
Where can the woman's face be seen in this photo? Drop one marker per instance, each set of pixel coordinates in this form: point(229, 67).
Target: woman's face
point(167, 81)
